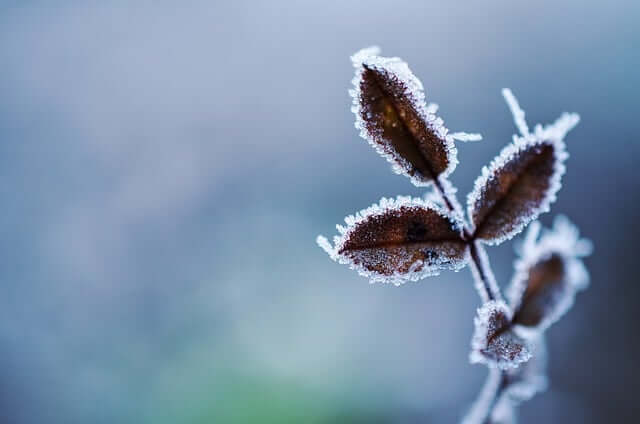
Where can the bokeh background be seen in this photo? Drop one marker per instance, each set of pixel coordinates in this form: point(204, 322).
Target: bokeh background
point(166, 166)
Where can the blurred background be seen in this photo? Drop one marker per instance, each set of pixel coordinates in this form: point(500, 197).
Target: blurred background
point(165, 168)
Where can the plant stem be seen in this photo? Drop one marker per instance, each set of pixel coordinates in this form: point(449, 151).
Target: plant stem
point(488, 290)
point(495, 396)
point(480, 268)
point(482, 409)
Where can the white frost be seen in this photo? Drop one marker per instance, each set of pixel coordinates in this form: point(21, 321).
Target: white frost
point(516, 111)
point(463, 136)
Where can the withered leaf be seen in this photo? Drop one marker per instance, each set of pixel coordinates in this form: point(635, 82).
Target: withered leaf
point(494, 341)
point(548, 275)
point(519, 185)
point(524, 382)
point(388, 101)
point(400, 240)
point(547, 289)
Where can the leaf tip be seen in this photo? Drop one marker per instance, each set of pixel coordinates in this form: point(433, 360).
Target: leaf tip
point(359, 57)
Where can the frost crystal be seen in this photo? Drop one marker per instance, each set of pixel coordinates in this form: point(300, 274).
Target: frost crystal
point(516, 111)
point(522, 182)
point(463, 136)
point(494, 343)
point(548, 274)
point(391, 114)
point(399, 240)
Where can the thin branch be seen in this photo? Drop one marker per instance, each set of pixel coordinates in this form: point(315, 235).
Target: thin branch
point(489, 290)
point(482, 409)
point(480, 268)
point(516, 111)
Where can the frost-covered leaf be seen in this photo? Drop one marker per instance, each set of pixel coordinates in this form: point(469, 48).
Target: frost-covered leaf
point(505, 389)
point(521, 384)
point(399, 240)
point(519, 185)
point(391, 114)
point(494, 341)
point(548, 274)
point(522, 182)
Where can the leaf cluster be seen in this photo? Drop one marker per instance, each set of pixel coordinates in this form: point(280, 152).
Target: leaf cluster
point(407, 239)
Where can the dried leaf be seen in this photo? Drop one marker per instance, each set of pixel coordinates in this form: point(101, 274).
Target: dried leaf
point(399, 240)
point(521, 384)
point(522, 182)
point(388, 101)
point(548, 274)
point(547, 289)
point(494, 342)
point(524, 382)
point(515, 385)
point(519, 185)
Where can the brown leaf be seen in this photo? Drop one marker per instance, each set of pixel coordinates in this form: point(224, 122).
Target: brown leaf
point(494, 341)
point(391, 113)
point(519, 185)
point(521, 384)
point(400, 240)
point(547, 287)
point(548, 274)
point(530, 378)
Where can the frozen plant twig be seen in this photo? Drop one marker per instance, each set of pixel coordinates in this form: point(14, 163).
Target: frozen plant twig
point(405, 239)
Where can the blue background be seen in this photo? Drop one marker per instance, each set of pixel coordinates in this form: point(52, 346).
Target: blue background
point(166, 166)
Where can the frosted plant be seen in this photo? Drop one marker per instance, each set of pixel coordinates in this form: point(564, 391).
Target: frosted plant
point(407, 239)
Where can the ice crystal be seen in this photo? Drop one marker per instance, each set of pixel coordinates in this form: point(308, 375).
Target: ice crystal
point(463, 136)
